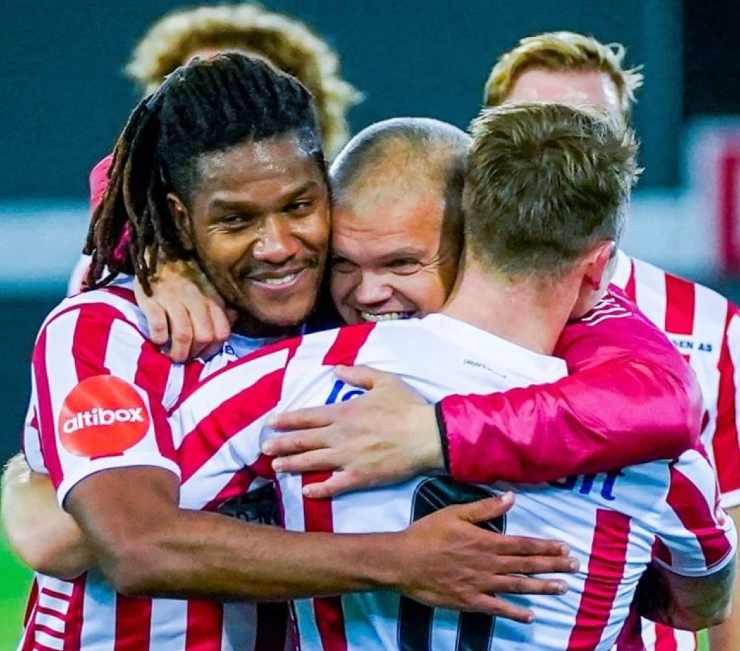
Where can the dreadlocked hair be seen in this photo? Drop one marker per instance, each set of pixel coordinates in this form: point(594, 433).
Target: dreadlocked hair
point(204, 107)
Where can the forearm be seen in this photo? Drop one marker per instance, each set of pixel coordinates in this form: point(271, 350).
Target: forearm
point(726, 636)
point(39, 532)
point(689, 603)
point(584, 423)
point(207, 555)
point(152, 547)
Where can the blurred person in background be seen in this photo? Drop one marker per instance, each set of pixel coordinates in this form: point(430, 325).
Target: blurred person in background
point(287, 43)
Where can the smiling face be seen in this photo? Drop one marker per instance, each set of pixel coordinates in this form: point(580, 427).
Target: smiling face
point(259, 222)
point(391, 256)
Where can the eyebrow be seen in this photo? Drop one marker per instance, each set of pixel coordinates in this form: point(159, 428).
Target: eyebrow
point(249, 206)
point(403, 252)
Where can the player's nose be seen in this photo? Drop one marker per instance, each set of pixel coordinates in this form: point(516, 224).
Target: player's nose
point(276, 242)
point(372, 289)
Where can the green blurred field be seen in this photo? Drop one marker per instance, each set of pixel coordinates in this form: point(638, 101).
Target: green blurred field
point(13, 592)
point(14, 589)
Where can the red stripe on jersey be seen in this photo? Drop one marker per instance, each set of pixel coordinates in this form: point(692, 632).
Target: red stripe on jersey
point(665, 640)
point(605, 571)
point(237, 485)
point(661, 551)
point(152, 373)
point(629, 288)
point(688, 502)
point(680, 300)
point(725, 442)
point(317, 516)
point(55, 594)
point(43, 396)
point(29, 618)
point(272, 626)
point(133, 623)
point(226, 420)
point(347, 344)
point(90, 342)
point(33, 597)
point(205, 626)
point(73, 632)
point(191, 375)
point(317, 513)
point(630, 637)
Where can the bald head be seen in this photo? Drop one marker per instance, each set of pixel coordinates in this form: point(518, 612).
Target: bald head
point(401, 156)
point(397, 227)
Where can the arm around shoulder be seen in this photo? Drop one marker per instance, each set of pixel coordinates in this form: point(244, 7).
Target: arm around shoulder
point(39, 532)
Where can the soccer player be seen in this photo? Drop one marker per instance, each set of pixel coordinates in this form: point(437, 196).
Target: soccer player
point(202, 31)
point(222, 164)
point(704, 326)
point(613, 521)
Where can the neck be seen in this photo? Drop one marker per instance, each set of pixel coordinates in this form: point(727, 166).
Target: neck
point(528, 311)
point(250, 327)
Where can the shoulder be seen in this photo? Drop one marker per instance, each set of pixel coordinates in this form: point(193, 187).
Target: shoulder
point(98, 309)
point(615, 327)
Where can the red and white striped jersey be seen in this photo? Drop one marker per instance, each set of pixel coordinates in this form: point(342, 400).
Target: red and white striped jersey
point(610, 521)
point(94, 369)
point(705, 327)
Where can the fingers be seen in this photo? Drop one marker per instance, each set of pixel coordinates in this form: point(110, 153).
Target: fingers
point(500, 608)
point(534, 565)
point(200, 320)
point(156, 318)
point(181, 332)
point(340, 482)
point(486, 509)
point(220, 321)
point(359, 376)
point(528, 585)
point(523, 546)
point(303, 419)
point(307, 462)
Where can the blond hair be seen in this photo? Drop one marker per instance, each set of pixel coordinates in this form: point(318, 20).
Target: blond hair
point(249, 28)
point(563, 51)
point(544, 183)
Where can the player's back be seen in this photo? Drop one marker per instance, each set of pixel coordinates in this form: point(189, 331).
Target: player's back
point(609, 521)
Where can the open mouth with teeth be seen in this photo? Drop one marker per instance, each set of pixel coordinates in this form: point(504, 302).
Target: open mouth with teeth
point(385, 316)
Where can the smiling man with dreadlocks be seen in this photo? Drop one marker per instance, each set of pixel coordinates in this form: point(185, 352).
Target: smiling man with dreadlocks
point(222, 165)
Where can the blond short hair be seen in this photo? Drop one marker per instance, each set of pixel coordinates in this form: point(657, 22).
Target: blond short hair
point(286, 42)
point(544, 183)
point(563, 51)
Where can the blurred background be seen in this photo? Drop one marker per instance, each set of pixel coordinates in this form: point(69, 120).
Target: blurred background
point(66, 99)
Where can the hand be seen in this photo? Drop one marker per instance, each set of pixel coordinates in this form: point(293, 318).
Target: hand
point(383, 437)
point(451, 562)
point(185, 310)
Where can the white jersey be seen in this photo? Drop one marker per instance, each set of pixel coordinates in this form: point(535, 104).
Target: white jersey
point(611, 521)
point(705, 327)
point(100, 396)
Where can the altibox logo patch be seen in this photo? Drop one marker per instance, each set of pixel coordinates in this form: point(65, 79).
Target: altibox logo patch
point(102, 416)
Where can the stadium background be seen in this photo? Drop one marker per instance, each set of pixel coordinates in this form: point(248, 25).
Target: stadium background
point(65, 99)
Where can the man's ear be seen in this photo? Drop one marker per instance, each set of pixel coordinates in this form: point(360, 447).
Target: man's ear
point(597, 272)
point(181, 219)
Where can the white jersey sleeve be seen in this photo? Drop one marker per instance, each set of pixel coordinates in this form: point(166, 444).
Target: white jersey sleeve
point(695, 536)
point(99, 387)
